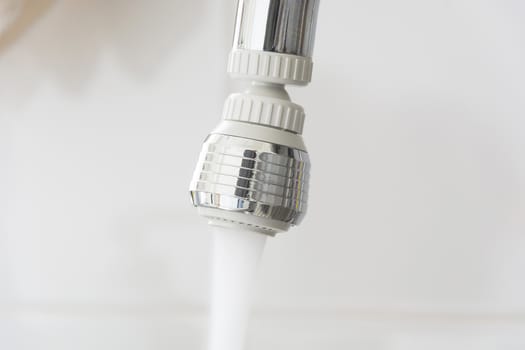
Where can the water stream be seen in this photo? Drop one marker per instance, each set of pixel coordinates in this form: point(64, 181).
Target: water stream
point(236, 255)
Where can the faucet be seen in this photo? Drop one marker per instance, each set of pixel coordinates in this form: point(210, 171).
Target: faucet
point(253, 169)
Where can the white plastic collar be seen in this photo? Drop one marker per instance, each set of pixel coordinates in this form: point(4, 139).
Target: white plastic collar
point(266, 111)
point(270, 67)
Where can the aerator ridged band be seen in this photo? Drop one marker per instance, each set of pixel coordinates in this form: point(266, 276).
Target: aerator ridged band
point(257, 178)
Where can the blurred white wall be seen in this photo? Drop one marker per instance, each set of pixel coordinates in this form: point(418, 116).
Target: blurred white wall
point(415, 235)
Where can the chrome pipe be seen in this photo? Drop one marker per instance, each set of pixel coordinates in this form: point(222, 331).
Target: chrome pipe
point(281, 26)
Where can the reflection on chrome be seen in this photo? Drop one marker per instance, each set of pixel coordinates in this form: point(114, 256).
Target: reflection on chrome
point(282, 26)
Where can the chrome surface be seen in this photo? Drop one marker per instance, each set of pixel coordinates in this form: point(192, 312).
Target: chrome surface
point(254, 177)
point(282, 26)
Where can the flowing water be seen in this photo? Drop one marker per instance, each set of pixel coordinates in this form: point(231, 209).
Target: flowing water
point(236, 255)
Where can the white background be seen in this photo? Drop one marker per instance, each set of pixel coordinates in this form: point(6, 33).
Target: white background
point(415, 235)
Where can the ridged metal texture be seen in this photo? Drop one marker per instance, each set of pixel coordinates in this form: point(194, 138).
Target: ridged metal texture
point(256, 178)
